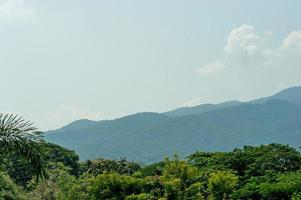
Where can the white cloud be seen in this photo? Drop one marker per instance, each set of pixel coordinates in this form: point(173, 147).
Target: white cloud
point(246, 48)
point(15, 9)
point(242, 40)
point(193, 102)
point(65, 114)
point(292, 41)
point(211, 68)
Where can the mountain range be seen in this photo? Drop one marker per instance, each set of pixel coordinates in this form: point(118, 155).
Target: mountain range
point(148, 137)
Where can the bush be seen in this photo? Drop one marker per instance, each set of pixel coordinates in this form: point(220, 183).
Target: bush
point(8, 190)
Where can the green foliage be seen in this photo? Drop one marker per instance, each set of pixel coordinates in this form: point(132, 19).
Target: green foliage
point(210, 160)
point(19, 170)
point(56, 186)
point(142, 196)
point(55, 153)
point(8, 190)
point(221, 184)
point(251, 189)
point(267, 172)
point(179, 169)
point(19, 138)
point(284, 187)
point(99, 166)
point(296, 196)
point(196, 191)
point(257, 161)
point(272, 186)
point(172, 188)
point(250, 161)
point(153, 169)
point(106, 186)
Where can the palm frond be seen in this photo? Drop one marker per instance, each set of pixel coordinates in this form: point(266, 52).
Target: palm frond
point(20, 137)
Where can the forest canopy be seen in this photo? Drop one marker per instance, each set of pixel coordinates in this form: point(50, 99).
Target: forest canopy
point(262, 172)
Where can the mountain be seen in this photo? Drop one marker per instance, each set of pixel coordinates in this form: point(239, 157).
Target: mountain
point(78, 125)
point(200, 108)
point(148, 137)
point(292, 94)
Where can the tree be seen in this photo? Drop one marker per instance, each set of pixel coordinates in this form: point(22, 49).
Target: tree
point(57, 185)
point(54, 154)
point(8, 190)
point(286, 186)
point(20, 138)
point(221, 184)
point(105, 186)
point(257, 161)
point(100, 166)
point(22, 173)
point(179, 169)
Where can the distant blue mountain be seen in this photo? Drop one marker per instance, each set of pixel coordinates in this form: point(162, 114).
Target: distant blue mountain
point(78, 125)
point(148, 137)
point(292, 94)
point(201, 108)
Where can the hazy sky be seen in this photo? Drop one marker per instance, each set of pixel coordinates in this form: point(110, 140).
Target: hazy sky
point(62, 60)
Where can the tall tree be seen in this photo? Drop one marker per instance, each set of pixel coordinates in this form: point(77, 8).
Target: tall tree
point(19, 137)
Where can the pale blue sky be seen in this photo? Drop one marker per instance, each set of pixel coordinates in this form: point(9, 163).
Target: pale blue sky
point(62, 60)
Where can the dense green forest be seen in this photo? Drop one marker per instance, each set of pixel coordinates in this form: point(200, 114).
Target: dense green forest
point(31, 168)
point(263, 172)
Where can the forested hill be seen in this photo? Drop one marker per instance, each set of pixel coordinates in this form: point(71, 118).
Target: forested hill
point(148, 137)
point(292, 95)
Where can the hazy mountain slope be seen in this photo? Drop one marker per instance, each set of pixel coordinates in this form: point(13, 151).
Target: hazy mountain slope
point(78, 124)
point(147, 137)
point(292, 94)
point(101, 138)
point(200, 108)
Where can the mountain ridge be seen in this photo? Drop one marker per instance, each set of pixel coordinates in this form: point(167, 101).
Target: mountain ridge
point(285, 95)
point(147, 137)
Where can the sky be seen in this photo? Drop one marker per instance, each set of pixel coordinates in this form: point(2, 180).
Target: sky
point(63, 60)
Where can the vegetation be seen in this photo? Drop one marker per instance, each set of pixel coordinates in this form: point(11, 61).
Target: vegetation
point(264, 172)
point(20, 138)
point(268, 172)
point(19, 143)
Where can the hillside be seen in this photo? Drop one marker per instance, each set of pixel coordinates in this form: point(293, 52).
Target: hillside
point(148, 137)
point(292, 94)
point(200, 108)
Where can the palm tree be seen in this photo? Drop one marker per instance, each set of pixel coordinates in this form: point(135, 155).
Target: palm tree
point(19, 137)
